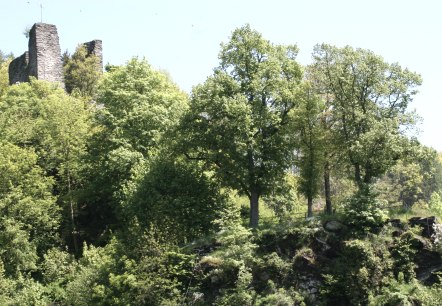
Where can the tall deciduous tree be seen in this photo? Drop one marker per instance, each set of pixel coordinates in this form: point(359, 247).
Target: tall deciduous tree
point(369, 99)
point(41, 116)
point(137, 105)
point(309, 128)
point(29, 215)
point(238, 118)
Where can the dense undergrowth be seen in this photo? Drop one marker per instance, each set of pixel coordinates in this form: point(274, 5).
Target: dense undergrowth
point(322, 261)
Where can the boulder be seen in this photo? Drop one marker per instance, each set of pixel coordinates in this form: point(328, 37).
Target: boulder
point(333, 226)
point(426, 223)
point(427, 263)
point(397, 223)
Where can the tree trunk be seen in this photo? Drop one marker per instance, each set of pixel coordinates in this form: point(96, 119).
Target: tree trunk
point(367, 175)
point(254, 209)
point(71, 206)
point(328, 202)
point(309, 206)
point(358, 178)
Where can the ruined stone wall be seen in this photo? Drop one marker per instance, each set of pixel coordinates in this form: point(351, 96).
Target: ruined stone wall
point(95, 47)
point(44, 53)
point(43, 59)
point(18, 69)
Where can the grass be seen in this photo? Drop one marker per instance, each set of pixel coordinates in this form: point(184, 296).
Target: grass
point(416, 211)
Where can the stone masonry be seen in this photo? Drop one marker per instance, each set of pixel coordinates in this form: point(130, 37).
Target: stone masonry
point(95, 47)
point(18, 69)
point(44, 53)
point(43, 58)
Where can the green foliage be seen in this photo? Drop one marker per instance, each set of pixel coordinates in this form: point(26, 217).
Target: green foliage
point(41, 116)
point(235, 240)
point(400, 292)
point(283, 199)
point(82, 73)
point(359, 272)
point(241, 294)
point(151, 274)
point(139, 106)
point(178, 197)
point(136, 107)
point(397, 293)
point(404, 253)
point(56, 126)
point(57, 269)
point(280, 297)
point(363, 211)
point(238, 118)
point(229, 268)
point(415, 178)
point(307, 123)
point(29, 216)
point(4, 72)
point(369, 100)
point(435, 204)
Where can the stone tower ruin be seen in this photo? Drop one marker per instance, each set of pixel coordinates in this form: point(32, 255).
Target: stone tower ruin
point(95, 47)
point(43, 58)
point(44, 53)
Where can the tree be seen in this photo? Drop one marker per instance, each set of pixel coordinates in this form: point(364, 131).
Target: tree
point(137, 106)
point(309, 128)
point(29, 215)
point(175, 196)
point(369, 99)
point(82, 72)
point(238, 118)
point(41, 116)
point(414, 178)
point(5, 60)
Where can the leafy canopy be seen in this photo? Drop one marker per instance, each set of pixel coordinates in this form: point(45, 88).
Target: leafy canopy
point(238, 118)
point(370, 99)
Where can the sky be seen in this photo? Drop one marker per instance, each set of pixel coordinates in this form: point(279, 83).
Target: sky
point(183, 37)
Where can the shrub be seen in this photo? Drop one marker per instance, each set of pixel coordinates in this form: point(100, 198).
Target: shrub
point(359, 272)
point(363, 212)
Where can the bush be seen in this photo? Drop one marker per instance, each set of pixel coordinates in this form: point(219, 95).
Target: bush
point(404, 253)
point(363, 212)
point(359, 272)
point(435, 204)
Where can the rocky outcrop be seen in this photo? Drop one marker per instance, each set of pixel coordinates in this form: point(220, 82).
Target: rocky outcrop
point(333, 226)
point(425, 223)
point(428, 263)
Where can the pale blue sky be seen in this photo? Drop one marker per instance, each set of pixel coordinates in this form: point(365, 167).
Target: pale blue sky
point(183, 37)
